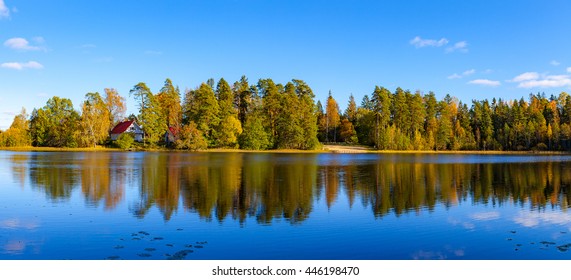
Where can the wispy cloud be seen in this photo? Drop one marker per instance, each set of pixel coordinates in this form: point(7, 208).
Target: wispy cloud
point(554, 63)
point(464, 74)
point(568, 69)
point(421, 43)
point(485, 216)
point(534, 219)
point(485, 82)
point(418, 42)
point(526, 77)
point(152, 52)
point(88, 46)
point(469, 72)
point(22, 44)
point(461, 46)
point(4, 11)
point(22, 65)
point(534, 79)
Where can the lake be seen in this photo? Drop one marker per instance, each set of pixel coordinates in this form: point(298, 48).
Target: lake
point(161, 205)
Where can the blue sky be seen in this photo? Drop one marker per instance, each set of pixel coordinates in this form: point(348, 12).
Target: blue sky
point(469, 49)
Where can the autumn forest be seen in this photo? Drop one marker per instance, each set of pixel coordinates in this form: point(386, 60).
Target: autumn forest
point(266, 115)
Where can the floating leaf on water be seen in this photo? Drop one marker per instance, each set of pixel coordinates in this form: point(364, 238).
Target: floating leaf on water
point(158, 238)
point(133, 234)
point(509, 239)
point(143, 232)
point(547, 243)
point(513, 231)
point(198, 246)
point(179, 229)
point(144, 255)
point(119, 247)
point(150, 249)
point(519, 245)
point(562, 248)
point(188, 245)
point(180, 255)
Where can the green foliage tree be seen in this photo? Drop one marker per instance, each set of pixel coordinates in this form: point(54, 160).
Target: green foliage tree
point(351, 111)
point(254, 136)
point(125, 141)
point(55, 125)
point(230, 127)
point(201, 107)
point(151, 116)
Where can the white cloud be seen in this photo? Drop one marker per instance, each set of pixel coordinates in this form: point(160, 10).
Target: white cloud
point(534, 219)
point(22, 44)
point(454, 76)
point(469, 72)
point(534, 79)
point(464, 74)
point(554, 63)
point(4, 11)
point(485, 82)
point(526, 77)
point(485, 216)
point(22, 65)
point(547, 82)
point(421, 43)
point(461, 46)
point(568, 69)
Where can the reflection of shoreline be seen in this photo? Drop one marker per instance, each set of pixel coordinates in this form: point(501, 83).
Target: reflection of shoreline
point(269, 185)
point(325, 150)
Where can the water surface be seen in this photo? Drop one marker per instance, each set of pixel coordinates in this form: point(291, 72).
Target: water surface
point(115, 205)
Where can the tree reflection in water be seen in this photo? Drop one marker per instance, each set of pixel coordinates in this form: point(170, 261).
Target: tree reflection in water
point(267, 186)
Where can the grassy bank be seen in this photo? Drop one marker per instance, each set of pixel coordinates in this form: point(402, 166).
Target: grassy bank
point(341, 149)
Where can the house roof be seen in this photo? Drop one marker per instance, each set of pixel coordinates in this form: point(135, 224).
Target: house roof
point(121, 127)
point(173, 131)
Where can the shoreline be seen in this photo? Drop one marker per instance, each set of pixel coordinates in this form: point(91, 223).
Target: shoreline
point(326, 149)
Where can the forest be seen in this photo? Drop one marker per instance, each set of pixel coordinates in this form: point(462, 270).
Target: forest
point(266, 116)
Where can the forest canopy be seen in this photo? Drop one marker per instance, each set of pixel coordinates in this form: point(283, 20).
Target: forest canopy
point(267, 115)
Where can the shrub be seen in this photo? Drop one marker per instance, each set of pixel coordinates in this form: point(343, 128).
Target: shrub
point(125, 141)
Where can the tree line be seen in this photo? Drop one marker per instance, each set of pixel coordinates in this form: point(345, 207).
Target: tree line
point(267, 115)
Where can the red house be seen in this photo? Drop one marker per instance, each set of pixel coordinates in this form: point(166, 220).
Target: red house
point(128, 127)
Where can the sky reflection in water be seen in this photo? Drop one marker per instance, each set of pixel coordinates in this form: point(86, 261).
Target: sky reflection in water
point(283, 206)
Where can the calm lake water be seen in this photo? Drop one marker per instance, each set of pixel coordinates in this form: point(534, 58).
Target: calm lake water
point(114, 205)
